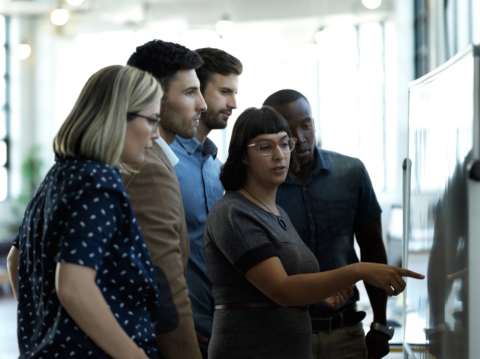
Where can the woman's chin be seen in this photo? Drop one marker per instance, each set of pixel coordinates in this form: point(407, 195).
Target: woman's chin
point(278, 180)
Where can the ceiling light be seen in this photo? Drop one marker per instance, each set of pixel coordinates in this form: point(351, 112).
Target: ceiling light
point(74, 2)
point(372, 4)
point(225, 28)
point(59, 17)
point(22, 51)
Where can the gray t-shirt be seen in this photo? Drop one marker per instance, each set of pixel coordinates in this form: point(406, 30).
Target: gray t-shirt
point(239, 235)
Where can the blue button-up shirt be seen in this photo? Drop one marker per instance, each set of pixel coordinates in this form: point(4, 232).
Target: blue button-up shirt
point(199, 180)
point(337, 196)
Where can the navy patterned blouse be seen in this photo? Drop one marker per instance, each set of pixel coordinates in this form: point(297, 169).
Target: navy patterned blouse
point(81, 214)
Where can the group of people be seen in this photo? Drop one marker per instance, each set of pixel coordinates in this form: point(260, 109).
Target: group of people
point(140, 243)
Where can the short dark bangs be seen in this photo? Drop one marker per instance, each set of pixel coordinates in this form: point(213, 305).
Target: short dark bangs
point(264, 121)
point(250, 124)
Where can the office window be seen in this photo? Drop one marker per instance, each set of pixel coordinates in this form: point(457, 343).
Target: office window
point(421, 36)
point(4, 109)
point(356, 94)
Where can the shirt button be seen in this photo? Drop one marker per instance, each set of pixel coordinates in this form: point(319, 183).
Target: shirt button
point(305, 188)
point(310, 214)
point(199, 147)
point(314, 241)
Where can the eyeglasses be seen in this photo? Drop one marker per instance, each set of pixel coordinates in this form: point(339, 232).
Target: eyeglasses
point(266, 147)
point(153, 122)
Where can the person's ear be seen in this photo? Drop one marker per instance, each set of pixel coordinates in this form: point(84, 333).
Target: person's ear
point(244, 161)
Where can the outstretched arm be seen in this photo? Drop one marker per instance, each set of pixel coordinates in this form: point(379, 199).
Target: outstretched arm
point(271, 279)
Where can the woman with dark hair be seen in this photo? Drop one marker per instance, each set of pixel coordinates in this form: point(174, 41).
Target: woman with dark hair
point(262, 273)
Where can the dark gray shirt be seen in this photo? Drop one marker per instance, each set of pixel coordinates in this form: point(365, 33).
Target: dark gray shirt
point(239, 235)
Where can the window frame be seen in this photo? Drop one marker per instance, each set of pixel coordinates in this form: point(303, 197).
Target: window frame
point(6, 106)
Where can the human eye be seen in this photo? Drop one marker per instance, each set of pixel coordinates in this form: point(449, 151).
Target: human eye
point(284, 144)
point(264, 146)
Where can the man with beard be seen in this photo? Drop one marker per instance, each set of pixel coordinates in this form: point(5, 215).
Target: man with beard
point(330, 202)
point(155, 193)
point(198, 174)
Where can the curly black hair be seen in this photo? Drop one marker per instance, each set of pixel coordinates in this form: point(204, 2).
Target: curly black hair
point(163, 59)
point(283, 97)
point(251, 123)
point(216, 61)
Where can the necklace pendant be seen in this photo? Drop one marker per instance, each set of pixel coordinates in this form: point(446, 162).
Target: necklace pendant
point(282, 223)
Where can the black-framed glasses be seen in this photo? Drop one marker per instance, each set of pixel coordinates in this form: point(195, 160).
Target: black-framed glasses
point(153, 122)
point(266, 147)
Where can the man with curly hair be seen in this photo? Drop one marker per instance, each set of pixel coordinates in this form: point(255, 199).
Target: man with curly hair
point(155, 193)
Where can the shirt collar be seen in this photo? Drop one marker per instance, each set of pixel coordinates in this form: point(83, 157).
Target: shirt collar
point(192, 145)
point(321, 163)
point(168, 151)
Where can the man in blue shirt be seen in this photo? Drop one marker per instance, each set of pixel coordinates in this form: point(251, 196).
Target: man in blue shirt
point(198, 174)
point(330, 202)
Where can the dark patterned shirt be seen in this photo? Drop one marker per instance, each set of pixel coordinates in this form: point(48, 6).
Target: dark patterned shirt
point(81, 214)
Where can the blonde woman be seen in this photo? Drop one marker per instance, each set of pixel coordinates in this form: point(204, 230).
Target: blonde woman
point(79, 267)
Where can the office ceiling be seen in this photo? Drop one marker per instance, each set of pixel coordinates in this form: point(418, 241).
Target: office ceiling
point(201, 13)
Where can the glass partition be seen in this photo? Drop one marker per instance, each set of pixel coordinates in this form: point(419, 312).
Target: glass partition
point(441, 139)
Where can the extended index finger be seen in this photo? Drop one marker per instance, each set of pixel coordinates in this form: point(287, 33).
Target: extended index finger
point(408, 273)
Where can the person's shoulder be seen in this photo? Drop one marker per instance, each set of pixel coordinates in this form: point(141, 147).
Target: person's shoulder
point(156, 163)
point(227, 201)
point(89, 174)
point(336, 156)
point(225, 214)
point(339, 160)
point(232, 202)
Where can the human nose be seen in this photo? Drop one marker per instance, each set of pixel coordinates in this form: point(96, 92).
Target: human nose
point(201, 104)
point(278, 153)
point(300, 138)
point(232, 103)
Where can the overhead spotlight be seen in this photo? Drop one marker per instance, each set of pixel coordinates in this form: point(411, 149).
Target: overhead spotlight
point(59, 17)
point(371, 4)
point(22, 51)
point(74, 2)
point(225, 26)
point(319, 36)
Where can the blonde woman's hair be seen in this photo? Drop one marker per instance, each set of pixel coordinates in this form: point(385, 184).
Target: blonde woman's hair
point(95, 129)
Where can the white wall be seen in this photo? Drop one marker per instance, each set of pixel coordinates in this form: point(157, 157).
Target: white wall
point(275, 53)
